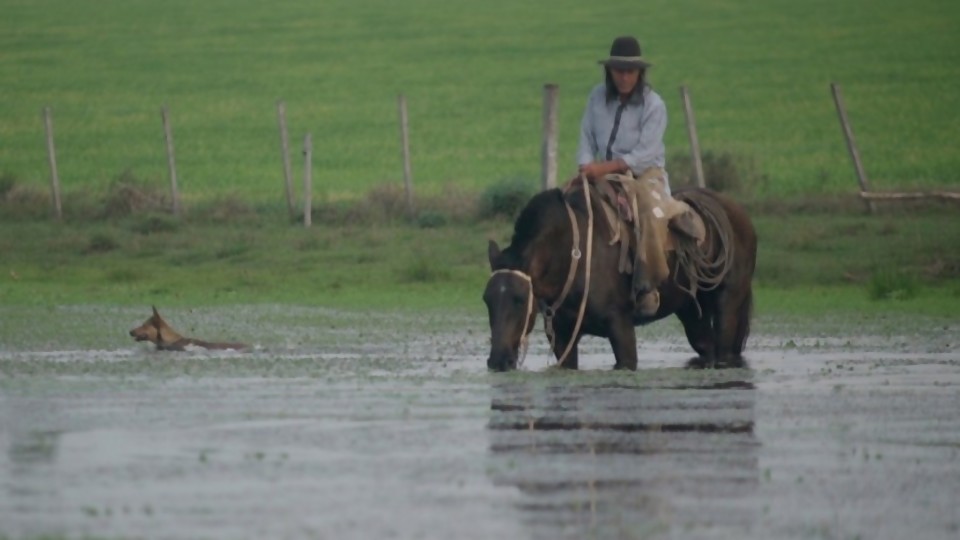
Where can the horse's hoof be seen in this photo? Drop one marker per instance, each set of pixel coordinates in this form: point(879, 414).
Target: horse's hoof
point(701, 362)
point(732, 362)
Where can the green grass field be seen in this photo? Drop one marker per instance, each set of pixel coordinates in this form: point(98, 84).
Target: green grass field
point(759, 73)
point(473, 72)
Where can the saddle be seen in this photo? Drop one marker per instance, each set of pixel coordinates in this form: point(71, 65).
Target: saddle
point(647, 222)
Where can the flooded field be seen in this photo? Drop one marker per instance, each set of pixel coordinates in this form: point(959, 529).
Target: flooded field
point(387, 425)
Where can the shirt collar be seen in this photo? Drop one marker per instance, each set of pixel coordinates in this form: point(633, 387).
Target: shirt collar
point(636, 98)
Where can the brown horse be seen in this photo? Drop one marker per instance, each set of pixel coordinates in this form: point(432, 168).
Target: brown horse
point(709, 288)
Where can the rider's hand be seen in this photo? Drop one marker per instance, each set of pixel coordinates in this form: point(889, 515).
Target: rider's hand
point(592, 171)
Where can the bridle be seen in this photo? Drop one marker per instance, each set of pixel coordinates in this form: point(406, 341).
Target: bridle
point(550, 311)
point(529, 314)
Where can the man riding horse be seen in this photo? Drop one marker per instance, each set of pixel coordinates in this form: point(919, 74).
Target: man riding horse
point(650, 256)
point(621, 142)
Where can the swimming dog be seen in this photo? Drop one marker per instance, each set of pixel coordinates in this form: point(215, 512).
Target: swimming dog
point(157, 331)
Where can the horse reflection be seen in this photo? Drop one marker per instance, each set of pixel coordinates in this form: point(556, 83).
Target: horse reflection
point(614, 459)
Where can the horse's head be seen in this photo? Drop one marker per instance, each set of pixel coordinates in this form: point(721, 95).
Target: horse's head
point(510, 306)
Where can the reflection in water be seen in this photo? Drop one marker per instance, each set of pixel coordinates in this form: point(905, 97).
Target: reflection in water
point(624, 460)
point(34, 447)
point(30, 449)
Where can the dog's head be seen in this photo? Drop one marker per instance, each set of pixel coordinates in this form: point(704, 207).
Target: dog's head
point(156, 331)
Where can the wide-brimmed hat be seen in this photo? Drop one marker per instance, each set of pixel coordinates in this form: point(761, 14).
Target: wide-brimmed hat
point(625, 54)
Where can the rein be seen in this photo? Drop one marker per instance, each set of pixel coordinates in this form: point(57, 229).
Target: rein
point(575, 254)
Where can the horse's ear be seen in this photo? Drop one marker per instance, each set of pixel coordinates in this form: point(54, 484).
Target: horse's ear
point(155, 311)
point(493, 253)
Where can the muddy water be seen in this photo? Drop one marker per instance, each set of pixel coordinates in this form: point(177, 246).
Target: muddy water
point(368, 425)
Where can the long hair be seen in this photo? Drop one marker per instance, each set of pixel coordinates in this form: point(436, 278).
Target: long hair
point(613, 93)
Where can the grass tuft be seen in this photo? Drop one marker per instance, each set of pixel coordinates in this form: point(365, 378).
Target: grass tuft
point(892, 284)
point(385, 202)
point(431, 219)
point(456, 203)
point(722, 171)
point(22, 202)
point(505, 198)
point(425, 270)
point(7, 181)
point(226, 209)
point(151, 223)
point(101, 242)
point(129, 195)
point(123, 275)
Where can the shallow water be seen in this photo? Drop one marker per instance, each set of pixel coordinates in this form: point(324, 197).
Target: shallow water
point(367, 425)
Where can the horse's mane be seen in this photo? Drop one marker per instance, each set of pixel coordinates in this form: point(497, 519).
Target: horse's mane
point(530, 223)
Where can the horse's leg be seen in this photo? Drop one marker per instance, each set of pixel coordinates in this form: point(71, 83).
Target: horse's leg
point(732, 326)
point(623, 340)
point(700, 333)
point(563, 335)
point(744, 312)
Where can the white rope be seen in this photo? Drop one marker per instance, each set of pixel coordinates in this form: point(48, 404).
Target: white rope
point(586, 276)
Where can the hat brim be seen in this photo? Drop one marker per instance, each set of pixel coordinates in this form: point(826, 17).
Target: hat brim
point(619, 63)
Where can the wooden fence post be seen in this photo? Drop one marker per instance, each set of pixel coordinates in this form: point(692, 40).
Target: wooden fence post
point(307, 181)
point(852, 146)
point(694, 140)
point(285, 150)
point(52, 159)
point(405, 151)
point(171, 160)
point(548, 149)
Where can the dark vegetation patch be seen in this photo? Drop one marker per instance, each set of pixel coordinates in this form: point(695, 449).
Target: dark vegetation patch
point(146, 204)
point(424, 269)
point(101, 242)
point(153, 223)
point(821, 241)
point(20, 202)
point(7, 181)
point(722, 171)
point(387, 204)
point(123, 275)
point(129, 195)
point(893, 284)
point(505, 198)
point(225, 209)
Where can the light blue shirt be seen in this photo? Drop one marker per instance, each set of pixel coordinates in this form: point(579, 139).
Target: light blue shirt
point(639, 137)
